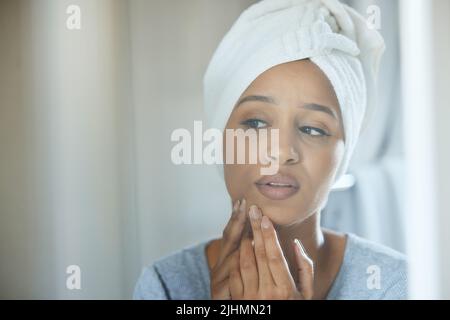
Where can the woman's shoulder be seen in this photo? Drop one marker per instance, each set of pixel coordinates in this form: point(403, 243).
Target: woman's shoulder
point(370, 271)
point(183, 274)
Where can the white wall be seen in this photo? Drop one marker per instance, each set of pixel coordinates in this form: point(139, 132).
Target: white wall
point(426, 74)
point(61, 175)
point(441, 59)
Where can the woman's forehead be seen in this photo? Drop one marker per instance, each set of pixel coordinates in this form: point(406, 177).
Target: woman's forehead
point(297, 82)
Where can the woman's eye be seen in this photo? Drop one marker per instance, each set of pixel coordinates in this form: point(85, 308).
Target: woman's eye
point(254, 123)
point(315, 132)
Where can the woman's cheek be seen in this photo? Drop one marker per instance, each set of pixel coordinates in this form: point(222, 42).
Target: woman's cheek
point(325, 175)
point(237, 180)
point(338, 154)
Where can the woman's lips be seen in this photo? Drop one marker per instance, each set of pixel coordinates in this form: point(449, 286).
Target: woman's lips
point(278, 187)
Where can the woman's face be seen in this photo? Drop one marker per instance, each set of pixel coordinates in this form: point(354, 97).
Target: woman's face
point(297, 99)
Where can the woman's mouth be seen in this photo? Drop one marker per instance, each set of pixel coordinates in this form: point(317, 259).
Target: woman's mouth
point(278, 187)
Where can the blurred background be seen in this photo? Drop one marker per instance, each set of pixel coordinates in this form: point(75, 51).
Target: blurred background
point(86, 115)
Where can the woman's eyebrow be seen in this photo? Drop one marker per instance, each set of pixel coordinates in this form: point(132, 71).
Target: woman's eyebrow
point(271, 100)
point(318, 107)
point(265, 99)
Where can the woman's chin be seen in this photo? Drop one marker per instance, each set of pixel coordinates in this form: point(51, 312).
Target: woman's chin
point(281, 212)
point(279, 215)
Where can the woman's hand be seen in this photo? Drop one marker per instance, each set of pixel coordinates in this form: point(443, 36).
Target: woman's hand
point(231, 239)
point(261, 271)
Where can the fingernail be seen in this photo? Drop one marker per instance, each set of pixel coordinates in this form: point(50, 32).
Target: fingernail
point(243, 204)
point(265, 222)
point(254, 212)
point(242, 207)
point(299, 246)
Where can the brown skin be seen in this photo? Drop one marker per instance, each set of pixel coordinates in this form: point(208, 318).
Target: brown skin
point(311, 147)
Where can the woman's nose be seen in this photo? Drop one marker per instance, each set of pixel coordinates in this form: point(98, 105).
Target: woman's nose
point(288, 152)
point(288, 156)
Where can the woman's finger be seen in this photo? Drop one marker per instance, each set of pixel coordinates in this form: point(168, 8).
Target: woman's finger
point(265, 276)
point(221, 290)
point(305, 271)
point(235, 280)
point(249, 271)
point(222, 271)
point(232, 233)
point(277, 262)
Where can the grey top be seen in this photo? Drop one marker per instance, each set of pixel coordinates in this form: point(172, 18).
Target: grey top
point(368, 271)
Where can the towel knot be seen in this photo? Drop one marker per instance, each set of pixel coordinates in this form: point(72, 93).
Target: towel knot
point(317, 39)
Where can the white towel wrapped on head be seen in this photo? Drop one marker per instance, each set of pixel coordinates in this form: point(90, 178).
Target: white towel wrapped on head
point(271, 32)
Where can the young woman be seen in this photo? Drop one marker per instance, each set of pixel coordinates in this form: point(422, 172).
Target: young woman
point(305, 68)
